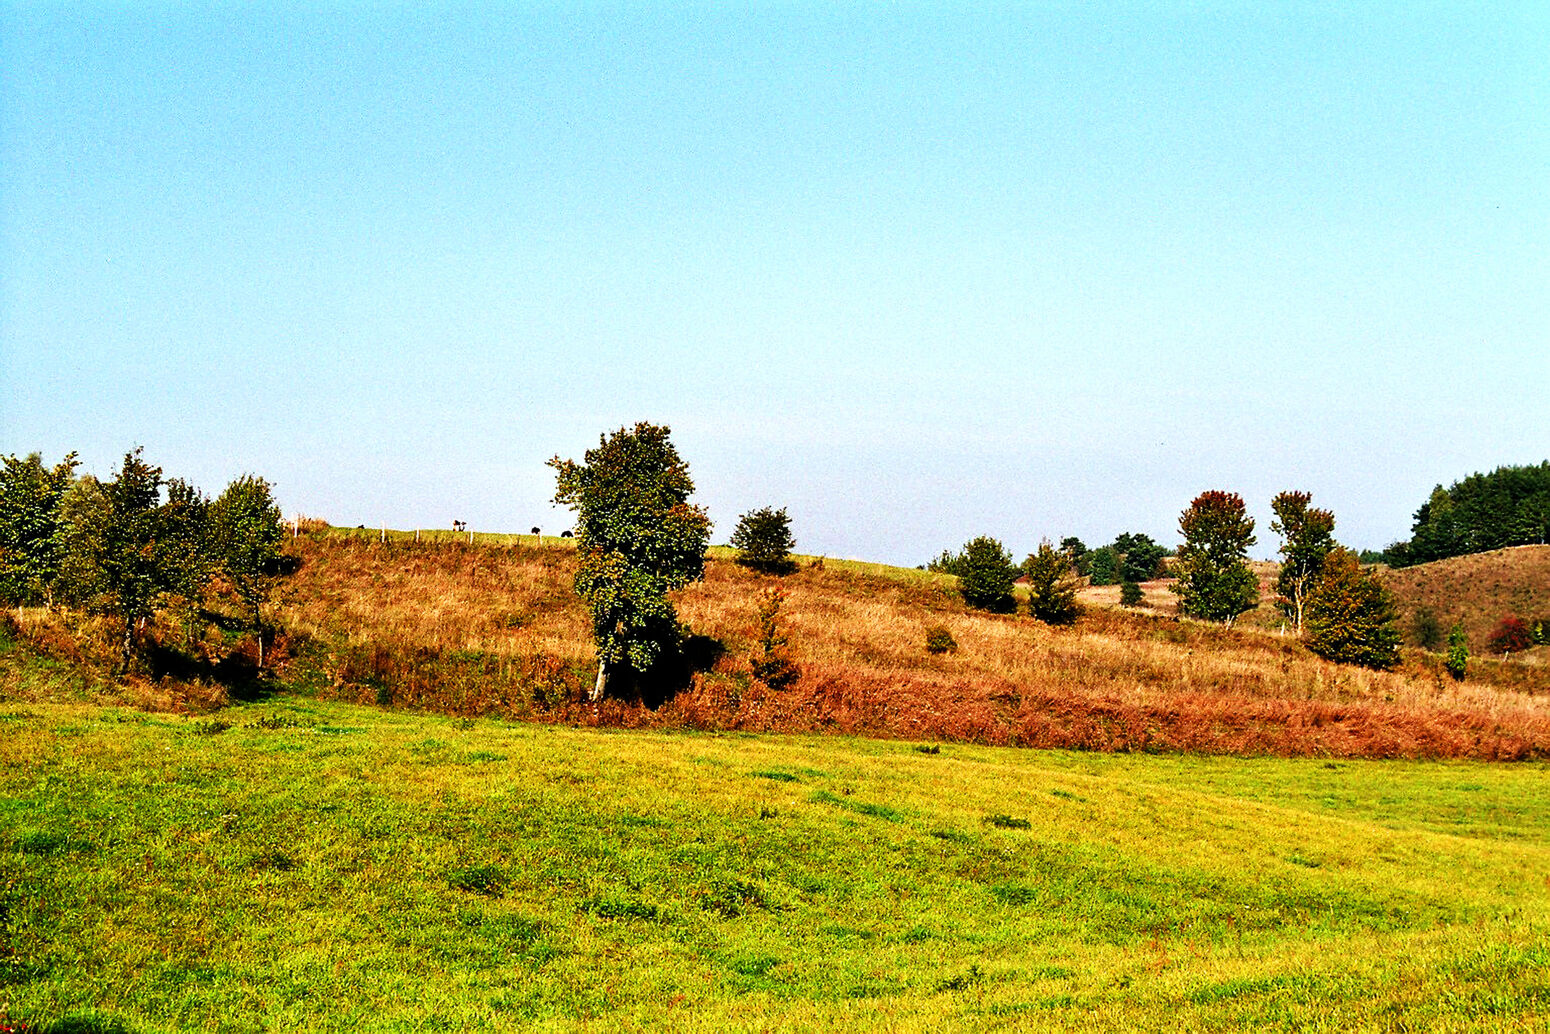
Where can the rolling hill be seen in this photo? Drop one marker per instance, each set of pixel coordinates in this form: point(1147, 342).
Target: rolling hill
point(1478, 589)
point(495, 629)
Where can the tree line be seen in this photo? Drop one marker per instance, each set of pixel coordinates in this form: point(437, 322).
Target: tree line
point(1339, 607)
point(1508, 507)
point(136, 544)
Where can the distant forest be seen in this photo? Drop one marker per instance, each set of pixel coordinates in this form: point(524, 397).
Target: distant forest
point(1508, 507)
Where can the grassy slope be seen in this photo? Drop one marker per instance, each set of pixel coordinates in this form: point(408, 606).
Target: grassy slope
point(480, 630)
point(326, 866)
point(1480, 588)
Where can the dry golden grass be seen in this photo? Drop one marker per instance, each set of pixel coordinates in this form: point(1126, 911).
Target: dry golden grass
point(470, 629)
point(1479, 589)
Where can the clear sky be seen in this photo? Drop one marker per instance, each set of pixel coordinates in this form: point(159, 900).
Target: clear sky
point(916, 272)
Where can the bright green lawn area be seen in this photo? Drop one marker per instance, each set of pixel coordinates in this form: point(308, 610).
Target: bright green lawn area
point(327, 867)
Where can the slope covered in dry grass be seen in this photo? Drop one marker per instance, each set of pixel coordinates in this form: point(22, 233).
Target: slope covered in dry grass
point(496, 630)
point(1479, 589)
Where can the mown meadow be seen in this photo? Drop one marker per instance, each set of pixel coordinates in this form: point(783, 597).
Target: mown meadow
point(305, 864)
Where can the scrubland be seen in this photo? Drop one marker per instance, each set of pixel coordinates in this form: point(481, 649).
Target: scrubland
point(495, 630)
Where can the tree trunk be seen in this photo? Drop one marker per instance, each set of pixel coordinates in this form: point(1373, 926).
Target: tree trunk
point(602, 680)
point(258, 626)
point(129, 644)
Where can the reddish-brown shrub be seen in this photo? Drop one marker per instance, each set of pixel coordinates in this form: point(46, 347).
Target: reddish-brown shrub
point(1510, 635)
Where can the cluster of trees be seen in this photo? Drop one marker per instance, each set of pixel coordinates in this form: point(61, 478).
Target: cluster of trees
point(134, 545)
point(1508, 507)
point(1342, 609)
point(1131, 557)
point(986, 575)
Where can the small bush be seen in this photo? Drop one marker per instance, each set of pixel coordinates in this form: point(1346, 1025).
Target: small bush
point(1130, 594)
point(940, 640)
point(1426, 629)
point(1008, 822)
point(1510, 635)
point(1458, 653)
point(773, 665)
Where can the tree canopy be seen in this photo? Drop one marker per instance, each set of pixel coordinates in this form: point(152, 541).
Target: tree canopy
point(986, 575)
point(637, 538)
point(763, 540)
point(1307, 537)
point(1214, 581)
point(31, 526)
point(1052, 586)
point(1351, 615)
point(1508, 507)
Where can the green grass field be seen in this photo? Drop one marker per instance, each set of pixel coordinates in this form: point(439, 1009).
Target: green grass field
point(294, 864)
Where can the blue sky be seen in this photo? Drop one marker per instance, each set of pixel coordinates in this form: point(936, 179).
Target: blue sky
point(916, 272)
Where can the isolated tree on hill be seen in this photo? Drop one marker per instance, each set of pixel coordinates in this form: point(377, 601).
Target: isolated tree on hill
point(1307, 538)
point(763, 540)
point(1351, 615)
point(1052, 586)
point(637, 538)
point(31, 529)
point(986, 576)
point(248, 532)
point(1214, 581)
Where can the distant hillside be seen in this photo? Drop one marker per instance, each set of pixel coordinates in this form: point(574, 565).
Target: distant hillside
point(1479, 588)
point(495, 629)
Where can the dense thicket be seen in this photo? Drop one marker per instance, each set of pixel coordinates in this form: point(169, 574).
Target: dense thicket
point(134, 545)
point(1508, 507)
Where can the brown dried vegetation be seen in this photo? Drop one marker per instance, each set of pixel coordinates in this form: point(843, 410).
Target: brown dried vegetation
point(496, 630)
point(1479, 588)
